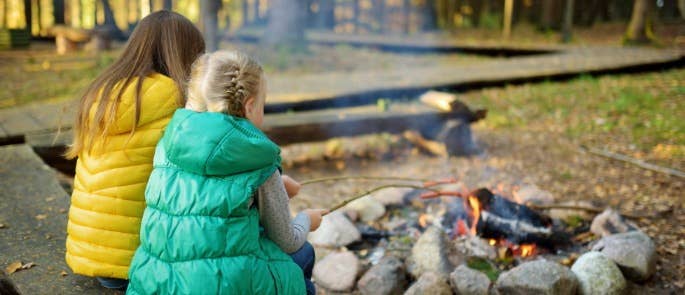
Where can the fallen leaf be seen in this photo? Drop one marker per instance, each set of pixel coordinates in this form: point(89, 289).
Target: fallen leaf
point(13, 267)
point(64, 273)
point(2, 225)
point(28, 265)
point(41, 216)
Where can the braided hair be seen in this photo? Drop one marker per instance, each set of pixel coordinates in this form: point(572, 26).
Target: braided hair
point(222, 82)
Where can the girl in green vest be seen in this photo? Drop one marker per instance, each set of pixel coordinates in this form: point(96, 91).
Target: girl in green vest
point(217, 219)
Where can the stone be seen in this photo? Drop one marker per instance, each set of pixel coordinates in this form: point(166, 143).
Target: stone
point(597, 274)
point(335, 231)
point(564, 214)
point(467, 281)
point(429, 253)
point(26, 182)
point(337, 271)
point(472, 246)
point(531, 194)
point(386, 277)
point(369, 208)
point(538, 277)
point(634, 252)
point(610, 222)
point(430, 283)
point(393, 196)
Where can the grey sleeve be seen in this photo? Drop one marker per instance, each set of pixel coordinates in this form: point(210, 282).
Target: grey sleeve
point(274, 215)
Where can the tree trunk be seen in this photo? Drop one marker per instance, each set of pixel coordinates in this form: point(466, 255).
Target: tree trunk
point(379, 13)
point(27, 16)
point(355, 18)
point(210, 23)
point(286, 23)
point(168, 5)
point(681, 7)
point(429, 16)
point(639, 28)
point(508, 12)
point(568, 22)
point(326, 15)
point(550, 16)
point(406, 12)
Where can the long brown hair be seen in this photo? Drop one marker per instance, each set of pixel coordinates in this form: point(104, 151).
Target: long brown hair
point(164, 42)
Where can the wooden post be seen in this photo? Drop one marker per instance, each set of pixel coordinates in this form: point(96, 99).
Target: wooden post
point(508, 11)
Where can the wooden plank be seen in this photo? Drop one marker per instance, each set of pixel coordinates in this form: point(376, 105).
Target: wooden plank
point(19, 123)
point(324, 124)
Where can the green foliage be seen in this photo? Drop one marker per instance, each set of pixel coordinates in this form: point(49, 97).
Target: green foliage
point(491, 21)
point(484, 266)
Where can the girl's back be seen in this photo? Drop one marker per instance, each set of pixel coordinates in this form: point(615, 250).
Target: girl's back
point(121, 117)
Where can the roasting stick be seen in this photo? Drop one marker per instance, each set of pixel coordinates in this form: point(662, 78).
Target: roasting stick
point(427, 184)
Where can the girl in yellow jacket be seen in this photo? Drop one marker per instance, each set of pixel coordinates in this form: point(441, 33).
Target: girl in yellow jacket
point(121, 117)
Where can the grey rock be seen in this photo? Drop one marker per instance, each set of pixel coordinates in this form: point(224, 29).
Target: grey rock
point(530, 193)
point(466, 281)
point(337, 271)
point(634, 252)
point(386, 277)
point(597, 274)
point(538, 277)
point(473, 246)
point(610, 222)
point(430, 283)
point(429, 254)
point(369, 208)
point(335, 231)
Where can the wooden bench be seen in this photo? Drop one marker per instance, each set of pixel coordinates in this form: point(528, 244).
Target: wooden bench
point(68, 39)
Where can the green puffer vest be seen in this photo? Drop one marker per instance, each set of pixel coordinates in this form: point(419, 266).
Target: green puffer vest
point(200, 232)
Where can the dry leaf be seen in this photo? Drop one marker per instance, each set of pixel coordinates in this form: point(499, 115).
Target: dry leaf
point(41, 216)
point(2, 225)
point(64, 273)
point(13, 267)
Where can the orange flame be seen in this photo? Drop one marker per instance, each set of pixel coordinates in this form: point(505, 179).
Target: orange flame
point(492, 242)
point(423, 220)
point(527, 250)
point(475, 205)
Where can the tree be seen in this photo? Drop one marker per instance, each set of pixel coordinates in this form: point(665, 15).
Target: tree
point(640, 26)
point(210, 23)
point(326, 15)
point(287, 19)
point(568, 22)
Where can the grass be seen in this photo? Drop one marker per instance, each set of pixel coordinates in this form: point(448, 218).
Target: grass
point(42, 76)
point(640, 114)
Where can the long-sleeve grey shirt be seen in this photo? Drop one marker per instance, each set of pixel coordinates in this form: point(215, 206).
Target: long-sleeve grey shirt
point(274, 215)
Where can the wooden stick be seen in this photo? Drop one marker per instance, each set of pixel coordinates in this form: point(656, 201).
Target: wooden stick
point(366, 193)
point(636, 162)
point(593, 210)
point(362, 177)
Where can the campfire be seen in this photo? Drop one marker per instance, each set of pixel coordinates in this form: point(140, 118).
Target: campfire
point(440, 226)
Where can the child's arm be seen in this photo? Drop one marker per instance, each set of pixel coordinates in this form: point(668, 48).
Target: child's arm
point(274, 214)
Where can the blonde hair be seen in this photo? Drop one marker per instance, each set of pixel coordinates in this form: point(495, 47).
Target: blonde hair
point(223, 81)
point(164, 42)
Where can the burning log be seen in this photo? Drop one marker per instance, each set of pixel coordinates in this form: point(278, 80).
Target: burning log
point(498, 218)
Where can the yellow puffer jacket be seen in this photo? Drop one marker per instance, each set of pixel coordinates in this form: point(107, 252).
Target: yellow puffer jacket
point(109, 188)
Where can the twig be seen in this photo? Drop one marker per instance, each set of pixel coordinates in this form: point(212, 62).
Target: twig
point(636, 162)
point(362, 177)
point(591, 209)
point(366, 193)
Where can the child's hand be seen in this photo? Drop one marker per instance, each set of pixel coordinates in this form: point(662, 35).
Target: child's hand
point(292, 187)
point(315, 216)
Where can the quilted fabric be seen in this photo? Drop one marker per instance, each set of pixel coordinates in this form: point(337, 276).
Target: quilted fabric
point(200, 232)
point(109, 188)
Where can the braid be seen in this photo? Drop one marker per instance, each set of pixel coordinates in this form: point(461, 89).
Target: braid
point(232, 78)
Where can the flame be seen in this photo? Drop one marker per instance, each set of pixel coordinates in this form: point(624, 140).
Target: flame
point(423, 220)
point(527, 249)
point(460, 227)
point(492, 242)
point(475, 206)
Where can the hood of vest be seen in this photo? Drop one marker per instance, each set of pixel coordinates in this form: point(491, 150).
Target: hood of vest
point(216, 144)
